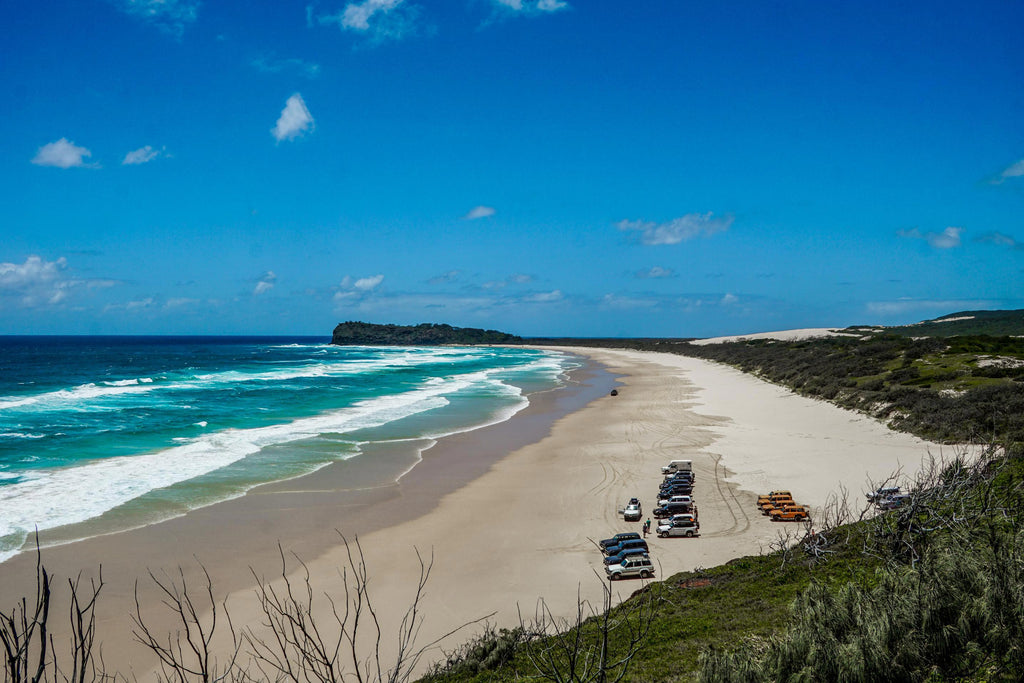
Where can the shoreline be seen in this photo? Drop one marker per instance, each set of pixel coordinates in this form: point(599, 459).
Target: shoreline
point(234, 537)
point(520, 528)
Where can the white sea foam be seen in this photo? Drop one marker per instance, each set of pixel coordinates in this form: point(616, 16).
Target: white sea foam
point(51, 498)
point(82, 395)
point(21, 435)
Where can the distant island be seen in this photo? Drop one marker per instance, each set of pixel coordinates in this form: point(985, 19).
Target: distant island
point(355, 333)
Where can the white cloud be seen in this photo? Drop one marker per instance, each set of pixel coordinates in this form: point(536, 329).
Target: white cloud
point(544, 297)
point(294, 121)
point(1001, 240)
point(170, 16)
point(265, 283)
point(729, 299)
point(655, 272)
point(365, 284)
point(678, 230)
point(143, 155)
point(378, 20)
point(520, 278)
point(947, 239)
point(271, 65)
point(531, 6)
point(1012, 171)
point(178, 302)
point(38, 282)
point(62, 154)
point(479, 212)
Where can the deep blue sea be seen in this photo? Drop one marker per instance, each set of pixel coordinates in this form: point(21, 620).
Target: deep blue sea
point(91, 424)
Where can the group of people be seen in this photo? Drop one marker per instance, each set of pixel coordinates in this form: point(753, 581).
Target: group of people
point(647, 526)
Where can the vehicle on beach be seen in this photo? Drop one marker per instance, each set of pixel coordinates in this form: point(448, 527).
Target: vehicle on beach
point(681, 475)
point(675, 490)
point(684, 529)
point(893, 501)
point(677, 465)
point(673, 509)
point(762, 500)
point(776, 500)
point(682, 517)
point(626, 545)
point(636, 566)
point(790, 513)
point(618, 538)
point(676, 499)
point(617, 558)
point(882, 493)
point(771, 507)
point(633, 511)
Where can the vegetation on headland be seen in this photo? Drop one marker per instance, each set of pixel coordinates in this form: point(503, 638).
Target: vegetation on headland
point(939, 386)
point(354, 333)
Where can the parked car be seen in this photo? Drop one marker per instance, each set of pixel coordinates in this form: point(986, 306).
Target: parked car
point(633, 511)
point(674, 491)
point(687, 529)
point(672, 509)
point(683, 475)
point(761, 500)
point(626, 545)
point(617, 558)
point(893, 502)
point(618, 538)
point(682, 517)
point(790, 513)
point(882, 493)
point(676, 499)
point(677, 465)
point(636, 566)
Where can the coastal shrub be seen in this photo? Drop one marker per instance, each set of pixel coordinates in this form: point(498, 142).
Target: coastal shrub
point(956, 614)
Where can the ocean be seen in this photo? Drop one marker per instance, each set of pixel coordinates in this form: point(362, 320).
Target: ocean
point(140, 429)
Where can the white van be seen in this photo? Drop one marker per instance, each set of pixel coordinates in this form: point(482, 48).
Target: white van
point(678, 466)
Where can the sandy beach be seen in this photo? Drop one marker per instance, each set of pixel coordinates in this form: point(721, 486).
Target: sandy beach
point(517, 525)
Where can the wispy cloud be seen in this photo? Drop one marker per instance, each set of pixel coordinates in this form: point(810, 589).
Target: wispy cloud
point(1000, 239)
point(265, 283)
point(729, 299)
point(444, 278)
point(678, 230)
point(38, 282)
point(272, 65)
point(544, 297)
point(909, 305)
point(479, 212)
point(377, 20)
point(947, 239)
point(295, 119)
point(63, 154)
point(530, 7)
point(622, 301)
point(352, 288)
point(654, 273)
point(1012, 171)
point(142, 155)
point(170, 16)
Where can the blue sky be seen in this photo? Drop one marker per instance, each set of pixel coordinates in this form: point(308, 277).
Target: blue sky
point(545, 167)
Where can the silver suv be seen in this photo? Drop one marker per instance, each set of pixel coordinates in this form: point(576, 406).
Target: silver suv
point(636, 565)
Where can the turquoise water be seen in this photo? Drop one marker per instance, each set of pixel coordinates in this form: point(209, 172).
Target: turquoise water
point(90, 424)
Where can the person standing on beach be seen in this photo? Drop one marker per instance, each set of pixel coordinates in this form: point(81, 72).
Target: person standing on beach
point(647, 526)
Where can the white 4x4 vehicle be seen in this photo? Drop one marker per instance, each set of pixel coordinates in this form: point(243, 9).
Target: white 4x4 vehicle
point(633, 511)
point(635, 565)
